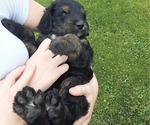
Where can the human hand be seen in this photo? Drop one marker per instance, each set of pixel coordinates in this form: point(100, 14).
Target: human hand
point(48, 66)
point(9, 86)
point(90, 90)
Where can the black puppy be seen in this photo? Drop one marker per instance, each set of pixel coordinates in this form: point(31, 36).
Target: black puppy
point(65, 23)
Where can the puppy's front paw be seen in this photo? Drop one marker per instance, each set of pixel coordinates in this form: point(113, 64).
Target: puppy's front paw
point(27, 104)
point(69, 45)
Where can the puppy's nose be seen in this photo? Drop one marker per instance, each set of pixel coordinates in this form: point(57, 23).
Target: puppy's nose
point(80, 25)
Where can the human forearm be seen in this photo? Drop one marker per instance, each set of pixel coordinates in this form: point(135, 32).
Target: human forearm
point(36, 12)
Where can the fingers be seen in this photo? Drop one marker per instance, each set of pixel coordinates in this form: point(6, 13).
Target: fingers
point(24, 79)
point(86, 122)
point(62, 69)
point(83, 120)
point(49, 54)
point(86, 91)
point(80, 90)
point(13, 76)
point(90, 88)
point(44, 45)
point(60, 59)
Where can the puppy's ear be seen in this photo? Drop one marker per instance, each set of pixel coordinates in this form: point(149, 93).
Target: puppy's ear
point(45, 25)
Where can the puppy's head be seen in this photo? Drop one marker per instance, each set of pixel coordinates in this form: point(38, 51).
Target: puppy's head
point(63, 17)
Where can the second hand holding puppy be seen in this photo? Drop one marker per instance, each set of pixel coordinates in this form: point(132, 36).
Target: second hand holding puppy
point(51, 64)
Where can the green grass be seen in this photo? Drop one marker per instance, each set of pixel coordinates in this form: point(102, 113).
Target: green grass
point(120, 37)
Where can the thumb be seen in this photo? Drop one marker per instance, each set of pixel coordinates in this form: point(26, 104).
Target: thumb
point(79, 90)
point(25, 78)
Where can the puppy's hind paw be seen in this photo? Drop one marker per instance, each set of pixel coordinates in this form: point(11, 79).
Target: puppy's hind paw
point(53, 104)
point(27, 104)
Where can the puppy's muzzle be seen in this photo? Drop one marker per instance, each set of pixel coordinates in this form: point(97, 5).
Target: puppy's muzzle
point(82, 28)
point(79, 25)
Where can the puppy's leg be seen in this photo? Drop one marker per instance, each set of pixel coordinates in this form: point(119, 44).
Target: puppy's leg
point(23, 33)
point(28, 104)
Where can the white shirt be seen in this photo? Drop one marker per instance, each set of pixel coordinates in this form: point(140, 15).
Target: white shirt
point(13, 52)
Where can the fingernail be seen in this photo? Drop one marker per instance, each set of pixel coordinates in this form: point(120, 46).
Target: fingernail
point(47, 40)
point(73, 90)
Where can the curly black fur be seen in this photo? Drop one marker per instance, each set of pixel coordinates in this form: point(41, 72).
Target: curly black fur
point(66, 20)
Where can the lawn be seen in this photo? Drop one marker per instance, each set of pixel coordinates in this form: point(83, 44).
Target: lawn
point(120, 37)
